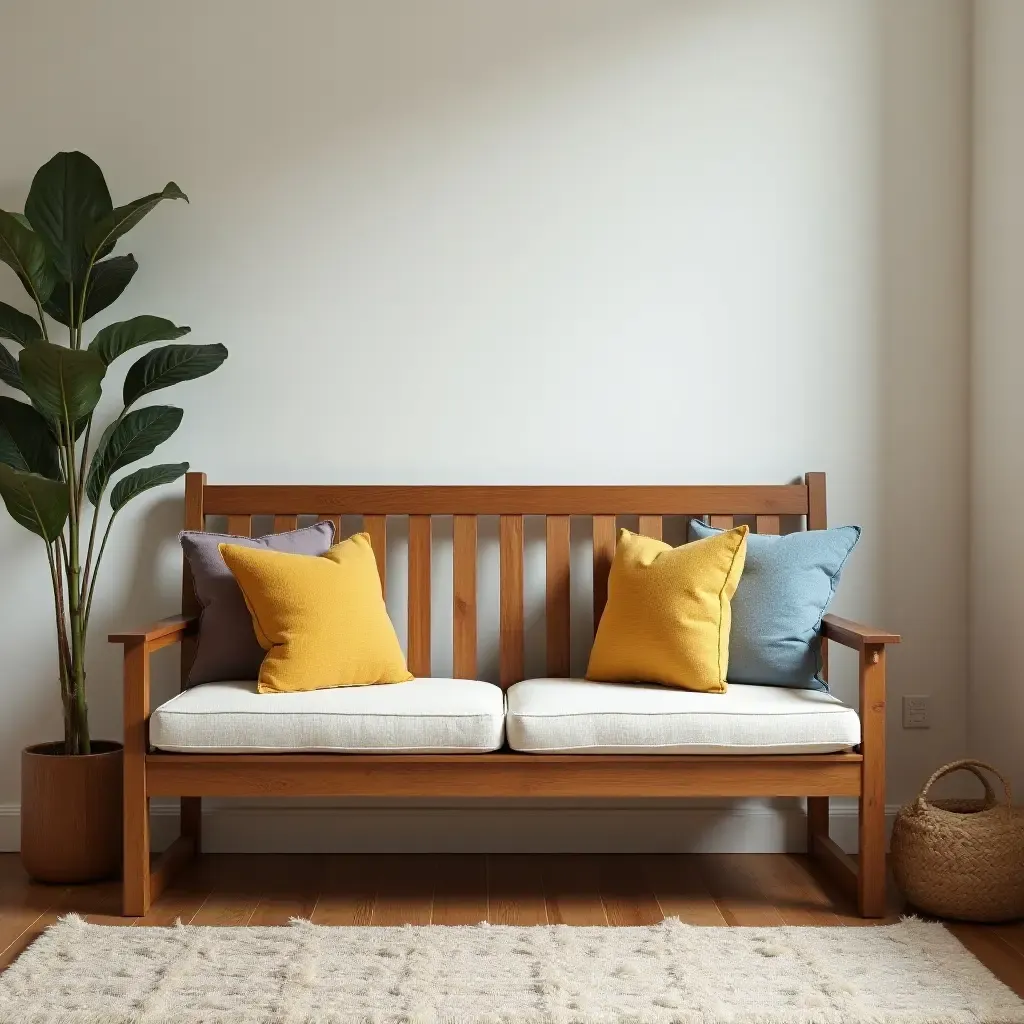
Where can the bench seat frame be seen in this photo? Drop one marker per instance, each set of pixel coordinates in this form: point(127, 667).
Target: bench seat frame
point(191, 777)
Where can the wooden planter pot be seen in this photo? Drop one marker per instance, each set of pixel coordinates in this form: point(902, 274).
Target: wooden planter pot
point(71, 813)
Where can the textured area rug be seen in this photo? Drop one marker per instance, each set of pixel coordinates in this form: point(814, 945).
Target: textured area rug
point(909, 973)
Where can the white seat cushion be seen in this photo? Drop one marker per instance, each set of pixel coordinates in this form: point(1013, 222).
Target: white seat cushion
point(424, 716)
point(574, 716)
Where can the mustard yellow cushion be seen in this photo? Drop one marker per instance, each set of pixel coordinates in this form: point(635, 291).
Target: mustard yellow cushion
point(321, 620)
point(668, 614)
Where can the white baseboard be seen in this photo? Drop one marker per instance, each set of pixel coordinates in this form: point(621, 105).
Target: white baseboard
point(298, 828)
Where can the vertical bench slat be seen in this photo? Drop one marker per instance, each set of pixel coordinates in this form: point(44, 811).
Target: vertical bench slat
point(240, 526)
point(557, 595)
point(768, 525)
point(817, 519)
point(650, 526)
point(723, 522)
point(377, 528)
point(419, 595)
point(510, 543)
point(282, 524)
point(604, 551)
point(464, 596)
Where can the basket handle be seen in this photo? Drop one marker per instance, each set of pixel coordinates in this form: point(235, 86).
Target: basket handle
point(974, 767)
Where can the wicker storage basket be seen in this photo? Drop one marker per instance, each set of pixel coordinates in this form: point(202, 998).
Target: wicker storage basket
point(961, 858)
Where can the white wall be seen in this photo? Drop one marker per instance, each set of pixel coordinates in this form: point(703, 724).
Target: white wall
point(997, 366)
point(590, 241)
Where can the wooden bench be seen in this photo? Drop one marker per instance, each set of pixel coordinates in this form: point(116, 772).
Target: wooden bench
point(859, 773)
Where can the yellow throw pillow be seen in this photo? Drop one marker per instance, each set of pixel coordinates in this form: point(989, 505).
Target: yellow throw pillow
point(668, 614)
point(322, 620)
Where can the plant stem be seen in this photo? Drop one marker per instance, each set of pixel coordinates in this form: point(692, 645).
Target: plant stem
point(96, 568)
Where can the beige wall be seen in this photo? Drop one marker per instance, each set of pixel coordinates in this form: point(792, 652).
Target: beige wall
point(997, 369)
point(573, 241)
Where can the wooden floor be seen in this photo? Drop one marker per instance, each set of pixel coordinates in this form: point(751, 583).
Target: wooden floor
point(524, 889)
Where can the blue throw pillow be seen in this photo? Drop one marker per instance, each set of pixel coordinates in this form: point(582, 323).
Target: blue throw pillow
point(786, 588)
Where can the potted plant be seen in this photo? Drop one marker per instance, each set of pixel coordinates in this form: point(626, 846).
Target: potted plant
point(55, 470)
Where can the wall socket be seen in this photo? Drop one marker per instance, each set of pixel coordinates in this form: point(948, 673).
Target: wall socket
point(917, 712)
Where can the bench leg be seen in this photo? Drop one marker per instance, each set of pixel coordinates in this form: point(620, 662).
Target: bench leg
point(871, 865)
point(817, 820)
point(136, 891)
point(192, 820)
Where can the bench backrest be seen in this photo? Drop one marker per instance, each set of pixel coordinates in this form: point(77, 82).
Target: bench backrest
point(760, 506)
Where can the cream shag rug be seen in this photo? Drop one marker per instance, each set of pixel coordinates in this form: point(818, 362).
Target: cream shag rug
point(908, 973)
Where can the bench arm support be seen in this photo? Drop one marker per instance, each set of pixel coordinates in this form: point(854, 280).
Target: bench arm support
point(139, 644)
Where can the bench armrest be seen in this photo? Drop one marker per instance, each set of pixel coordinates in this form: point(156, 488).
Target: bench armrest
point(854, 634)
point(161, 633)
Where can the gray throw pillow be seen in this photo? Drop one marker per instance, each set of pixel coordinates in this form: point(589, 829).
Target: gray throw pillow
point(227, 647)
point(786, 587)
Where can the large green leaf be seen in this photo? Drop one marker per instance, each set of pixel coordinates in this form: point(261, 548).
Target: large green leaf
point(116, 339)
point(23, 251)
point(128, 440)
point(169, 365)
point(142, 480)
point(63, 383)
point(68, 198)
point(106, 282)
point(26, 442)
point(101, 238)
point(38, 504)
point(18, 326)
point(9, 372)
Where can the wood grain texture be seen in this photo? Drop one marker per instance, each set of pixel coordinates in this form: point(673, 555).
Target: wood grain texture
point(510, 543)
point(135, 795)
point(377, 528)
point(557, 608)
point(240, 525)
point(515, 889)
point(464, 544)
point(419, 595)
point(491, 775)
point(723, 522)
point(855, 634)
point(680, 888)
point(871, 865)
point(604, 551)
point(460, 889)
point(279, 499)
point(768, 525)
point(650, 526)
point(285, 523)
point(817, 514)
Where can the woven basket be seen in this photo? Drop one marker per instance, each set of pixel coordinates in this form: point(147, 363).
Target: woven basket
point(961, 858)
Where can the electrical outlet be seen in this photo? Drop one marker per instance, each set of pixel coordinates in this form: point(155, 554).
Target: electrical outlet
point(916, 712)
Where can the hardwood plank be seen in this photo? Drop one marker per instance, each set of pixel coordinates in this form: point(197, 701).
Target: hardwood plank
point(240, 525)
point(680, 889)
point(284, 524)
point(404, 888)
point(181, 901)
point(723, 522)
point(515, 890)
point(510, 543)
point(557, 610)
point(1001, 959)
point(572, 889)
point(235, 882)
point(604, 550)
point(738, 499)
point(793, 892)
point(626, 892)
point(650, 526)
point(419, 595)
point(290, 889)
point(768, 525)
point(348, 891)
point(460, 889)
point(734, 888)
point(377, 528)
point(464, 542)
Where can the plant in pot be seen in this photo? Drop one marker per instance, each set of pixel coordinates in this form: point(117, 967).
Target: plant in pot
point(56, 469)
